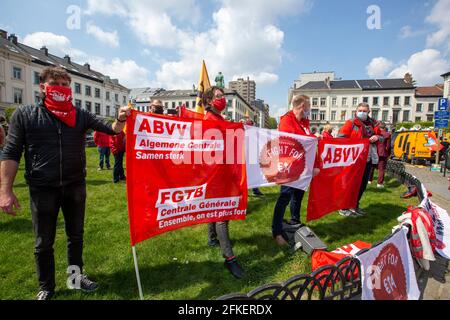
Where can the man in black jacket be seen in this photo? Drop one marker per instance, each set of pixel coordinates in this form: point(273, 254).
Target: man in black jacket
point(52, 135)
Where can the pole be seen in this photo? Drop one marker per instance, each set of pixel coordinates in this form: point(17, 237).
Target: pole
point(438, 145)
point(138, 278)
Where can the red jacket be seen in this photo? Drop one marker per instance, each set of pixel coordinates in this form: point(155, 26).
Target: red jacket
point(212, 116)
point(327, 135)
point(101, 139)
point(356, 130)
point(384, 147)
point(117, 143)
point(290, 124)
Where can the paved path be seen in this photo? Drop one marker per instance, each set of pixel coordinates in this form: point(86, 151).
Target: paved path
point(434, 288)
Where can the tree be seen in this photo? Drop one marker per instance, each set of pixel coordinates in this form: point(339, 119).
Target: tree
point(273, 123)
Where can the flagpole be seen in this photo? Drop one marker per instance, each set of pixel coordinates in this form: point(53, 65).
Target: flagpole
point(138, 278)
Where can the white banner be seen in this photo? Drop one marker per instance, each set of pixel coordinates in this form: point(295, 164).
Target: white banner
point(441, 223)
point(278, 158)
point(387, 270)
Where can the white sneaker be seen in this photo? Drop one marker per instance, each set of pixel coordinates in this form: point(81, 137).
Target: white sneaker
point(369, 182)
point(380, 186)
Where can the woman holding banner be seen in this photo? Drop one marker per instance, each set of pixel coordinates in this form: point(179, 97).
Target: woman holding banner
point(218, 233)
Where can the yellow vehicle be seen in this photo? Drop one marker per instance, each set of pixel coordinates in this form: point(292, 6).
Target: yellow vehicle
point(413, 146)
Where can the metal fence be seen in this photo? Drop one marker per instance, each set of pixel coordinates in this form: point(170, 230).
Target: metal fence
point(333, 282)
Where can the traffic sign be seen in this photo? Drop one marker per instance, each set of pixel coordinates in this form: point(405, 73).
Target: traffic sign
point(443, 104)
point(442, 115)
point(441, 123)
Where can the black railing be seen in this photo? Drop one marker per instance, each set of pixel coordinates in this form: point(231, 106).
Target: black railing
point(333, 282)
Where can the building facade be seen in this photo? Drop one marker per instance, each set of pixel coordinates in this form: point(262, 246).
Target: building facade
point(426, 102)
point(21, 65)
point(335, 101)
point(245, 88)
point(263, 110)
point(446, 77)
point(141, 98)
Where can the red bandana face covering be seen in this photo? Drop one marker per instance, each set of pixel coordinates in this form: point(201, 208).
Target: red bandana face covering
point(58, 100)
point(220, 104)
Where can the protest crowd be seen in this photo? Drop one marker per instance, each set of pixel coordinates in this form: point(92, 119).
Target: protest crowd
point(51, 136)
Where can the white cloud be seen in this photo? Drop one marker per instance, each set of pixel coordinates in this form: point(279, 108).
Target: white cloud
point(378, 67)
point(278, 111)
point(426, 67)
point(243, 38)
point(408, 32)
point(57, 44)
point(129, 73)
point(440, 17)
point(109, 38)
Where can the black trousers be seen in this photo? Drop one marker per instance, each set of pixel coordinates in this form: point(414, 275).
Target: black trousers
point(45, 204)
point(288, 195)
point(118, 173)
point(365, 181)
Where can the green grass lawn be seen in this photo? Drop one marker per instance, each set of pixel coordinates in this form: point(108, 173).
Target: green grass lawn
point(177, 265)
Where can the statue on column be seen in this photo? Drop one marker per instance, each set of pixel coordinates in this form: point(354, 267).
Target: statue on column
point(220, 82)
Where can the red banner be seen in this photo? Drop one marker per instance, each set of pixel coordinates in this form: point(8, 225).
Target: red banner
point(182, 172)
point(337, 185)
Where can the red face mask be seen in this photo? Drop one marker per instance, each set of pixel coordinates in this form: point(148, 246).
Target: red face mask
point(220, 104)
point(58, 100)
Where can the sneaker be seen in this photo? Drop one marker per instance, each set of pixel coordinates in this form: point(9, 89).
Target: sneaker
point(369, 182)
point(258, 193)
point(279, 239)
point(86, 284)
point(234, 268)
point(99, 169)
point(44, 295)
point(380, 186)
point(346, 213)
point(359, 212)
point(213, 242)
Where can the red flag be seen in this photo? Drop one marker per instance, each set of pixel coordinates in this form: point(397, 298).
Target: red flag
point(175, 177)
point(186, 113)
point(337, 185)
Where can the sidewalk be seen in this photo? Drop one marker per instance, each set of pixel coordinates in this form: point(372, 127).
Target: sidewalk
point(434, 289)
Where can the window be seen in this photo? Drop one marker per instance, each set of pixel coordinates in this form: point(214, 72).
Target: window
point(108, 94)
point(333, 115)
point(323, 102)
point(407, 101)
point(97, 109)
point(375, 101)
point(343, 115)
point(315, 102)
point(353, 114)
point(17, 73)
point(37, 97)
point(314, 114)
point(116, 97)
point(88, 106)
point(375, 114)
point(385, 101)
point(344, 102)
point(430, 117)
point(166, 104)
point(334, 102)
point(355, 102)
point(18, 95)
point(395, 115)
point(180, 103)
point(77, 88)
point(385, 115)
point(97, 92)
point(37, 80)
point(124, 100)
point(418, 119)
point(431, 107)
point(366, 99)
point(406, 115)
point(78, 104)
point(173, 105)
point(419, 107)
point(322, 115)
point(396, 101)
point(87, 91)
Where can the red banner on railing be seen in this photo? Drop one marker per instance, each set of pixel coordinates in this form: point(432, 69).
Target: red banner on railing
point(182, 172)
point(337, 185)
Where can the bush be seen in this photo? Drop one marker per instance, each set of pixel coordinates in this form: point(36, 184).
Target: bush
point(409, 125)
point(8, 113)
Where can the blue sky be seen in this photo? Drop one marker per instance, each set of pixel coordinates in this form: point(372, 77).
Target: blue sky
point(161, 43)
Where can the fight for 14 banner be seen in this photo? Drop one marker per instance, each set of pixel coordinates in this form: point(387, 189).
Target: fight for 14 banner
point(182, 172)
point(387, 270)
point(279, 158)
point(337, 185)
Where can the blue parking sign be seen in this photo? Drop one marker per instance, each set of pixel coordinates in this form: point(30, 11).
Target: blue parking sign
point(443, 104)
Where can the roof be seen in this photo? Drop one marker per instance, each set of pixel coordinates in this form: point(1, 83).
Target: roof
point(445, 74)
point(434, 91)
point(39, 57)
point(369, 84)
point(144, 94)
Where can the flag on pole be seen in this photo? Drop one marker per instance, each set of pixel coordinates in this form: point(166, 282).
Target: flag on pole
point(203, 84)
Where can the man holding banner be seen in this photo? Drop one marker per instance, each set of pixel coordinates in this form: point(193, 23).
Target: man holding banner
point(295, 122)
point(362, 127)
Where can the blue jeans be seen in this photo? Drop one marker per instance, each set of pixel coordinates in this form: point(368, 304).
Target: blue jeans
point(287, 195)
point(104, 157)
